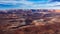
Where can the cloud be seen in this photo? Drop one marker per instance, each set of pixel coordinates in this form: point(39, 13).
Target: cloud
point(55, 0)
point(29, 4)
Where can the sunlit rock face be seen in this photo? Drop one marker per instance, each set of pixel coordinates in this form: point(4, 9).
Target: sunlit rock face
point(57, 10)
point(38, 22)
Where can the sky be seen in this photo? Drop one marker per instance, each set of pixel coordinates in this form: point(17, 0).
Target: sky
point(29, 4)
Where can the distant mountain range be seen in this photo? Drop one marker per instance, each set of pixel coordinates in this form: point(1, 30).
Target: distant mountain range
point(23, 11)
